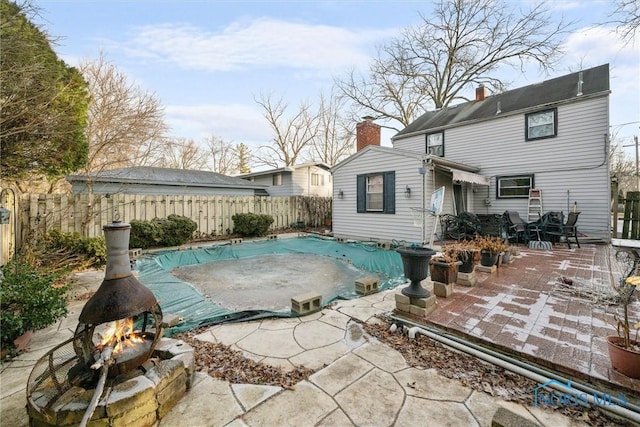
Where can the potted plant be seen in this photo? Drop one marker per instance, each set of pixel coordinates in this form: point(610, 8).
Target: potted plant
point(443, 267)
point(490, 249)
point(624, 352)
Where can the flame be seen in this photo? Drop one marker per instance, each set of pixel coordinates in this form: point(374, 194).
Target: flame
point(120, 334)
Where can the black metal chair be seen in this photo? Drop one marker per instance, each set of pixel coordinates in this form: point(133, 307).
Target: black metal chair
point(570, 228)
point(556, 229)
point(516, 227)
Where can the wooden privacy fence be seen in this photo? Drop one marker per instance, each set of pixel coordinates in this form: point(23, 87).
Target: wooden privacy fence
point(86, 214)
point(631, 219)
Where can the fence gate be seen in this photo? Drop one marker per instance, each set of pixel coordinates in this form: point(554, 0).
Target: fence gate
point(631, 219)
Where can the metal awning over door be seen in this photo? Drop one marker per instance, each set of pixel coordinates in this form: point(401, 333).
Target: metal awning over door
point(458, 175)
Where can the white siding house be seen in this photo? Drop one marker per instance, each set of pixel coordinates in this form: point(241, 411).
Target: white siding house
point(308, 179)
point(552, 136)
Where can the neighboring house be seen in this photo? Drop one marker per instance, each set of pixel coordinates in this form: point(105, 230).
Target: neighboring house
point(164, 181)
point(308, 179)
point(487, 153)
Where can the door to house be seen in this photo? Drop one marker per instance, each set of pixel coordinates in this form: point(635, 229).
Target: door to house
point(459, 199)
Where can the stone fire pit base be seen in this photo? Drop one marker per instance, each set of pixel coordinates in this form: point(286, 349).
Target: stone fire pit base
point(135, 399)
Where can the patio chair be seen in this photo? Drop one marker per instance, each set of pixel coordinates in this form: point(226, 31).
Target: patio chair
point(552, 226)
point(516, 227)
point(566, 230)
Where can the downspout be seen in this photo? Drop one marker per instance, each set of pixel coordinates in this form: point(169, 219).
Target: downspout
point(621, 408)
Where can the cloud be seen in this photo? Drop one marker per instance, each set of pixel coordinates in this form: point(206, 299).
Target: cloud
point(263, 42)
point(232, 122)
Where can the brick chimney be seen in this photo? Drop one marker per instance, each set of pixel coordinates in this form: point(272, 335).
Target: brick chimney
point(481, 93)
point(367, 133)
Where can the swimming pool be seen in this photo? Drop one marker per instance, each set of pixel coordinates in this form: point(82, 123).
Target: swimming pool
point(224, 282)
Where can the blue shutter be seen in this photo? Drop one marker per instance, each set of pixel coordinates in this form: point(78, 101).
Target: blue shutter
point(390, 192)
point(361, 189)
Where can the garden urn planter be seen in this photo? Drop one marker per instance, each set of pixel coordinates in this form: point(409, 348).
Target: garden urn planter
point(488, 258)
point(624, 360)
point(444, 272)
point(415, 262)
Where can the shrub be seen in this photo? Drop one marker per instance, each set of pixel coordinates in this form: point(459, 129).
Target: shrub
point(144, 234)
point(250, 224)
point(93, 248)
point(30, 299)
point(176, 230)
point(172, 231)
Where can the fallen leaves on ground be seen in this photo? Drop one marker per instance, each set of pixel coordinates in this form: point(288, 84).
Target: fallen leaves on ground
point(219, 361)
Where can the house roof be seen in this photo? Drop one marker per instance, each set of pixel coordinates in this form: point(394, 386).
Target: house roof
point(595, 82)
point(285, 169)
point(167, 176)
point(421, 157)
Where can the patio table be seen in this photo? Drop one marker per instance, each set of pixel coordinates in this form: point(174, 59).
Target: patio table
point(631, 247)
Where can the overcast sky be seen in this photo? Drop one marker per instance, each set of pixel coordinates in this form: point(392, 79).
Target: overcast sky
point(208, 61)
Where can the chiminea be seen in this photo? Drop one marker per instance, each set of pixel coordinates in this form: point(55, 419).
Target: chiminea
point(122, 320)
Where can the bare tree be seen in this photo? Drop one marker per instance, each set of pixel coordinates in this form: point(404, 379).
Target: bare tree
point(626, 17)
point(292, 135)
point(335, 139)
point(458, 46)
point(222, 156)
point(125, 126)
point(182, 153)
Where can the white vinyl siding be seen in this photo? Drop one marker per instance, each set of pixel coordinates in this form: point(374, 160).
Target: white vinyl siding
point(413, 143)
point(374, 226)
point(571, 167)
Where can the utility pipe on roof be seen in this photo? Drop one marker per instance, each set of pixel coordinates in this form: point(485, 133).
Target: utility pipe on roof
point(626, 410)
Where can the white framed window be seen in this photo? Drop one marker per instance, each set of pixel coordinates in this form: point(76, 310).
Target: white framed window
point(541, 124)
point(514, 187)
point(317, 179)
point(375, 192)
point(435, 144)
point(277, 179)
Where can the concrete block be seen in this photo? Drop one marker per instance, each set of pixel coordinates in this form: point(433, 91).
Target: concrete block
point(272, 236)
point(484, 269)
point(306, 303)
point(424, 302)
point(341, 239)
point(443, 290)
point(236, 241)
point(467, 279)
point(383, 245)
point(135, 253)
point(170, 320)
point(505, 418)
point(422, 312)
point(402, 298)
point(366, 285)
point(403, 307)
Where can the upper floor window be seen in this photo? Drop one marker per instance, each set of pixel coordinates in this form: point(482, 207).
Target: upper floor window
point(541, 124)
point(317, 179)
point(277, 179)
point(511, 187)
point(376, 192)
point(435, 144)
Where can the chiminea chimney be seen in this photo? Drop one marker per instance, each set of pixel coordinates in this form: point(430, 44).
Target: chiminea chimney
point(481, 93)
point(367, 133)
